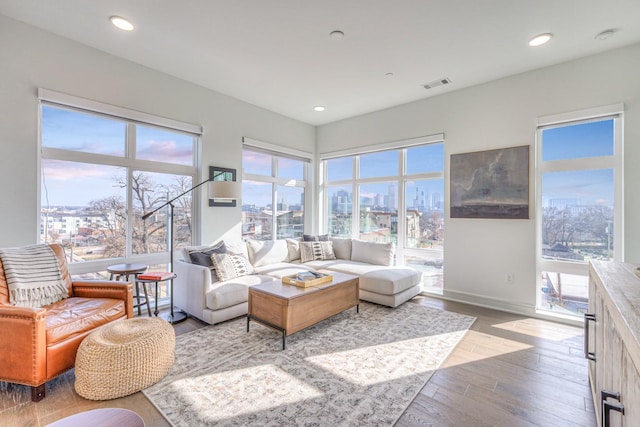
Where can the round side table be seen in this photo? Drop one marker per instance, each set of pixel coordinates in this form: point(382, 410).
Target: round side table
point(119, 271)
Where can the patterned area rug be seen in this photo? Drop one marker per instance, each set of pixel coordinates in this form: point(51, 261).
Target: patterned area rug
point(351, 369)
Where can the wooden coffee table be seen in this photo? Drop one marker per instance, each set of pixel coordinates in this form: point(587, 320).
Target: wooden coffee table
point(289, 309)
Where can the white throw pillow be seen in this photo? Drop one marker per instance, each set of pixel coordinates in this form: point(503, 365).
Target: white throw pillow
point(377, 253)
point(229, 266)
point(293, 246)
point(342, 247)
point(316, 251)
point(267, 252)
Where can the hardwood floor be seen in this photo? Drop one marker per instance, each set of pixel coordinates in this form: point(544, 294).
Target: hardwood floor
point(508, 370)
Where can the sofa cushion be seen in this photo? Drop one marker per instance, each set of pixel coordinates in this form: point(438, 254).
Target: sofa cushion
point(377, 253)
point(201, 255)
point(293, 246)
point(390, 280)
point(282, 269)
point(74, 316)
point(316, 251)
point(315, 238)
point(230, 266)
point(375, 278)
point(341, 247)
point(231, 292)
point(265, 252)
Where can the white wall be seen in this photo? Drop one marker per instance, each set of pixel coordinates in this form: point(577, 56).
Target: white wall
point(31, 58)
point(503, 113)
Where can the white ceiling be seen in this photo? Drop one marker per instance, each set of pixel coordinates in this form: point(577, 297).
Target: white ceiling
point(277, 54)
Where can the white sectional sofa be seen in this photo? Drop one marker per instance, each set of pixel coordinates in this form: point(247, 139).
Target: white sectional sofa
point(200, 293)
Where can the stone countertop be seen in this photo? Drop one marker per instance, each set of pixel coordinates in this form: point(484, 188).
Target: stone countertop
point(620, 287)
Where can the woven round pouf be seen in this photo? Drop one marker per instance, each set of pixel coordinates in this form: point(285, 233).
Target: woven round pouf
point(124, 357)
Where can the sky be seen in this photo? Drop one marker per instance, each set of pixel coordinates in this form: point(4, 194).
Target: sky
point(592, 139)
point(67, 129)
point(70, 130)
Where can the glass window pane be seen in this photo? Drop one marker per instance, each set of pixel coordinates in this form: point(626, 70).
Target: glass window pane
point(578, 141)
point(89, 220)
point(425, 214)
point(257, 214)
point(161, 145)
point(379, 212)
point(291, 168)
point(151, 190)
point(384, 163)
point(425, 159)
point(577, 215)
point(429, 263)
point(256, 163)
point(425, 230)
point(290, 212)
point(87, 133)
point(340, 210)
point(339, 169)
point(564, 293)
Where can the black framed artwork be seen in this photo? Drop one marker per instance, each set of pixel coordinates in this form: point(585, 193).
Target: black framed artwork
point(222, 174)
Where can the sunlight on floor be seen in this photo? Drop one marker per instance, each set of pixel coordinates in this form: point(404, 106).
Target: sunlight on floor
point(477, 346)
point(207, 394)
point(387, 362)
point(541, 328)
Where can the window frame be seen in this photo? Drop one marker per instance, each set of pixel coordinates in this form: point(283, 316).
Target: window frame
point(131, 119)
point(275, 180)
point(615, 162)
point(401, 179)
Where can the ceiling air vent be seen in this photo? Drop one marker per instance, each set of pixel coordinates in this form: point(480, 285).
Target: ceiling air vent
point(437, 83)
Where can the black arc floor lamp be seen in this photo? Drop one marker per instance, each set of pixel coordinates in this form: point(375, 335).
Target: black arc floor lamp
point(224, 190)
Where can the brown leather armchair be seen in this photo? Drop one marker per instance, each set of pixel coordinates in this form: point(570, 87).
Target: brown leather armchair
point(38, 344)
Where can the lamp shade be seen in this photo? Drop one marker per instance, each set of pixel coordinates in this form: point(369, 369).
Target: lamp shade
point(225, 190)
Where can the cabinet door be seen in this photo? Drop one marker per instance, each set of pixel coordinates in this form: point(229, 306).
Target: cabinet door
point(630, 394)
point(591, 339)
point(597, 333)
point(612, 362)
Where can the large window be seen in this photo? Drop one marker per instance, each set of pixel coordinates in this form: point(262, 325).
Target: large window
point(579, 181)
point(100, 173)
point(395, 196)
point(273, 194)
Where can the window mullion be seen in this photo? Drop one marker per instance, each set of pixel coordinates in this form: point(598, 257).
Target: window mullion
point(401, 208)
point(130, 155)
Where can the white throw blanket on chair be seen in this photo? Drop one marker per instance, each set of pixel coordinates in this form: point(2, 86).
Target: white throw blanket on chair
point(33, 276)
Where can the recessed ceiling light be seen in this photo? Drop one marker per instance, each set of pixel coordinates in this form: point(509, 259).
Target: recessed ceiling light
point(606, 34)
point(540, 39)
point(121, 23)
point(318, 108)
point(336, 35)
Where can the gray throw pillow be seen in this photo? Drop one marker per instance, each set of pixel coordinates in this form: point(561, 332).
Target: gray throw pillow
point(202, 255)
point(312, 238)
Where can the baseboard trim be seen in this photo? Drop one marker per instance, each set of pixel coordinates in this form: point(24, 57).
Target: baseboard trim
point(522, 309)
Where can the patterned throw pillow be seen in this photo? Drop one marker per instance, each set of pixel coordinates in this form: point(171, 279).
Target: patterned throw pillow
point(229, 266)
point(316, 251)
